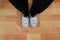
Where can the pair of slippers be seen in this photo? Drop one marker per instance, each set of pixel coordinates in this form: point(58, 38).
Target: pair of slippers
point(32, 20)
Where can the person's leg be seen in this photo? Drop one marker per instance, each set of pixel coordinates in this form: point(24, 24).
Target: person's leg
point(39, 6)
point(21, 5)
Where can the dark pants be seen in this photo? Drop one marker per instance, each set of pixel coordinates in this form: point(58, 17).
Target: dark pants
point(38, 6)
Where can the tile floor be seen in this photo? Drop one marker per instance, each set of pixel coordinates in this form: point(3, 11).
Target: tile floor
point(48, 27)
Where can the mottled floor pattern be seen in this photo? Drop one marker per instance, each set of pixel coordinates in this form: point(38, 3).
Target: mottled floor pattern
point(48, 27)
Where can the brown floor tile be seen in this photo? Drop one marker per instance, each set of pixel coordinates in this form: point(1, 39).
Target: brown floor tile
point(13, 36)
point(33, 36)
